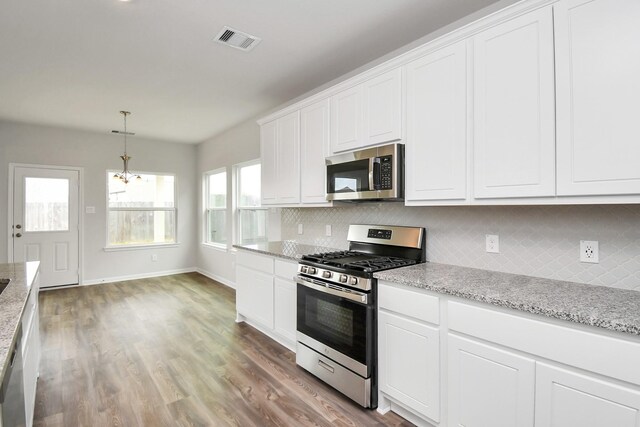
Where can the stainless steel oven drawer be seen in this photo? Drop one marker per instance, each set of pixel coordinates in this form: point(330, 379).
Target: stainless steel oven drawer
point(350, 384)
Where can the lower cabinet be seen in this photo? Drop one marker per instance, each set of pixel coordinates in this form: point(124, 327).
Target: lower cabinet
point(266, 295)
point(489, 386)
point(570, 399)
point(409, 363)
point(285, 308)
point(31, 350)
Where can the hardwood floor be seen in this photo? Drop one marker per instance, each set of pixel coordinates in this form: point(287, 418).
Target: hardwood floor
point(166, 352)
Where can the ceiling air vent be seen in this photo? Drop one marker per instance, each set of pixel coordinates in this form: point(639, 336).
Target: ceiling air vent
point(237, 39)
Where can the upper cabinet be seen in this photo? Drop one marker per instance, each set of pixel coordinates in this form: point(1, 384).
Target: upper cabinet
point(367, 114)
point(314, 146)
point(533, 104)
point(514, 131)
point(436, 146)
point(280, 156)
point(597, 66)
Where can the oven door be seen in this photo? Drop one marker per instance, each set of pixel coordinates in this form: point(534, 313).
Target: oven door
point(338, 323)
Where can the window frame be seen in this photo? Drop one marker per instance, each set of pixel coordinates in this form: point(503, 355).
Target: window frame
point(109, 247)
point(206, 209)
point(237, 209)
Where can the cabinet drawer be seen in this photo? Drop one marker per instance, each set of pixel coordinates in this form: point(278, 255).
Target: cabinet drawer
point(569, 345)
point(409, 302)
point(286, 269)
point(256, 262)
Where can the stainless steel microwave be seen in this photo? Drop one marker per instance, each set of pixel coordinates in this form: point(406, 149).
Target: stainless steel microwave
point(371, 174)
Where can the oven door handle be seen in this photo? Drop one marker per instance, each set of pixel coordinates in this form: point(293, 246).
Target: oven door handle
point(334, 290)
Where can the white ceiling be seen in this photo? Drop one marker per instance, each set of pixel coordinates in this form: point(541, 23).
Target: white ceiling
point(76, 63)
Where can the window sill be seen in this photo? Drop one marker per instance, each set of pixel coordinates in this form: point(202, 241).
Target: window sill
point(139, 247)
point(221, 248)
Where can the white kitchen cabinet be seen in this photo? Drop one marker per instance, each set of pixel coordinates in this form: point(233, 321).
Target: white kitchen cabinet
point(489, 386)
point(314, 147)
point(31, 350)
point(597, 66)
point(382, 98)
point(269, 162)
point(285, 302)
point(367, 114)
point(280, 160)
point(570, 399)
point(409, 363)
point(514, 129)
point(266, 295)
point(254, 295)
point(436, 146)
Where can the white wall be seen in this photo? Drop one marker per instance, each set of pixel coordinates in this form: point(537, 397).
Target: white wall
point(239, 144)
point(96, 152)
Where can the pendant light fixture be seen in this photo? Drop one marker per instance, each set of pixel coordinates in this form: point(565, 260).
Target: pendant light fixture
point(125, 176)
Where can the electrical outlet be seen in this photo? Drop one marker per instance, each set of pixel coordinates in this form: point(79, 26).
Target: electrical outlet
point(154, 257)
point(589, 251)
point(492, 242)
point(300, 229)
point(327, 230)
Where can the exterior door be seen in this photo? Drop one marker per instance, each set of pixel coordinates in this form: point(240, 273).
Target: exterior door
point(45, 223)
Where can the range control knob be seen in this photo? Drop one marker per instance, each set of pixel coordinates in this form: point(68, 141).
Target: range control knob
point(312, 270)
point(303, 269)
point(343, 278)
point(326, 274)
point(353, 280)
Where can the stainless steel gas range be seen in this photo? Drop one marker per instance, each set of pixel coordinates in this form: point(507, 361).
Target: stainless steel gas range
point(336, 314)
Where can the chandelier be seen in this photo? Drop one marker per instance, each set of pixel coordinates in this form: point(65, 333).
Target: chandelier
point(125, 175)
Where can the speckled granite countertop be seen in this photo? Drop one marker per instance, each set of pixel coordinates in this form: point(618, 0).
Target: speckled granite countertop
point(12, 302)
point(609, 308)
point(287, 249)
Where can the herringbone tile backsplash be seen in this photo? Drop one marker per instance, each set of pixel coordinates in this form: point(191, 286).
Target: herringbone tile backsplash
point(539, 241)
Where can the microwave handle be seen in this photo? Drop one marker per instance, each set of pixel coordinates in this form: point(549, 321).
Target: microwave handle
point(375, 180)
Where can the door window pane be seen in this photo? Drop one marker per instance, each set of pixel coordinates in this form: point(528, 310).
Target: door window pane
point(46, 204)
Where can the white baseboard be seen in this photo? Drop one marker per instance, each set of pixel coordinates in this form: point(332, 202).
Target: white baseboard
point(217, 278)
point(138, 276)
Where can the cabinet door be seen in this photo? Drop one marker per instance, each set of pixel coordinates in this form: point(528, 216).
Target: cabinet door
point(598, 65)
point(314, 145)
point(268, 162)
point(514, 130)
point(382, 97)
point(254, 295)
point(285, 308)
point(569, 399)
point(346, 120)
point(409, 363)
point(489, 386)
point(436, 148)
point(288, 160)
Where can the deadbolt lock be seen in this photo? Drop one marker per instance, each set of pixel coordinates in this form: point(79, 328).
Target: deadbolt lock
point(18, 226)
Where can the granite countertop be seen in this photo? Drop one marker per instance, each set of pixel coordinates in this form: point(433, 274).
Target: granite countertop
point(604, 307)
point(287, 249)
point(12, 302)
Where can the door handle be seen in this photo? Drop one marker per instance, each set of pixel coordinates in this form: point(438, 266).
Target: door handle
point(18, 234)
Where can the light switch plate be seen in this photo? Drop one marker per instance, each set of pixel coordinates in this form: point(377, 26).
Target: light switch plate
point(90, 209)
point(327, 230)
point(300, 229)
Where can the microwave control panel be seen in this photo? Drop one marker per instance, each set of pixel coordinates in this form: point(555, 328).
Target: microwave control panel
point(386, 172)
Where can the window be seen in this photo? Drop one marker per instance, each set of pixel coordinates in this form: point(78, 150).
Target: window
point(251, 218)
point(142, 212)
point(46, 204)
point(216, 207)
